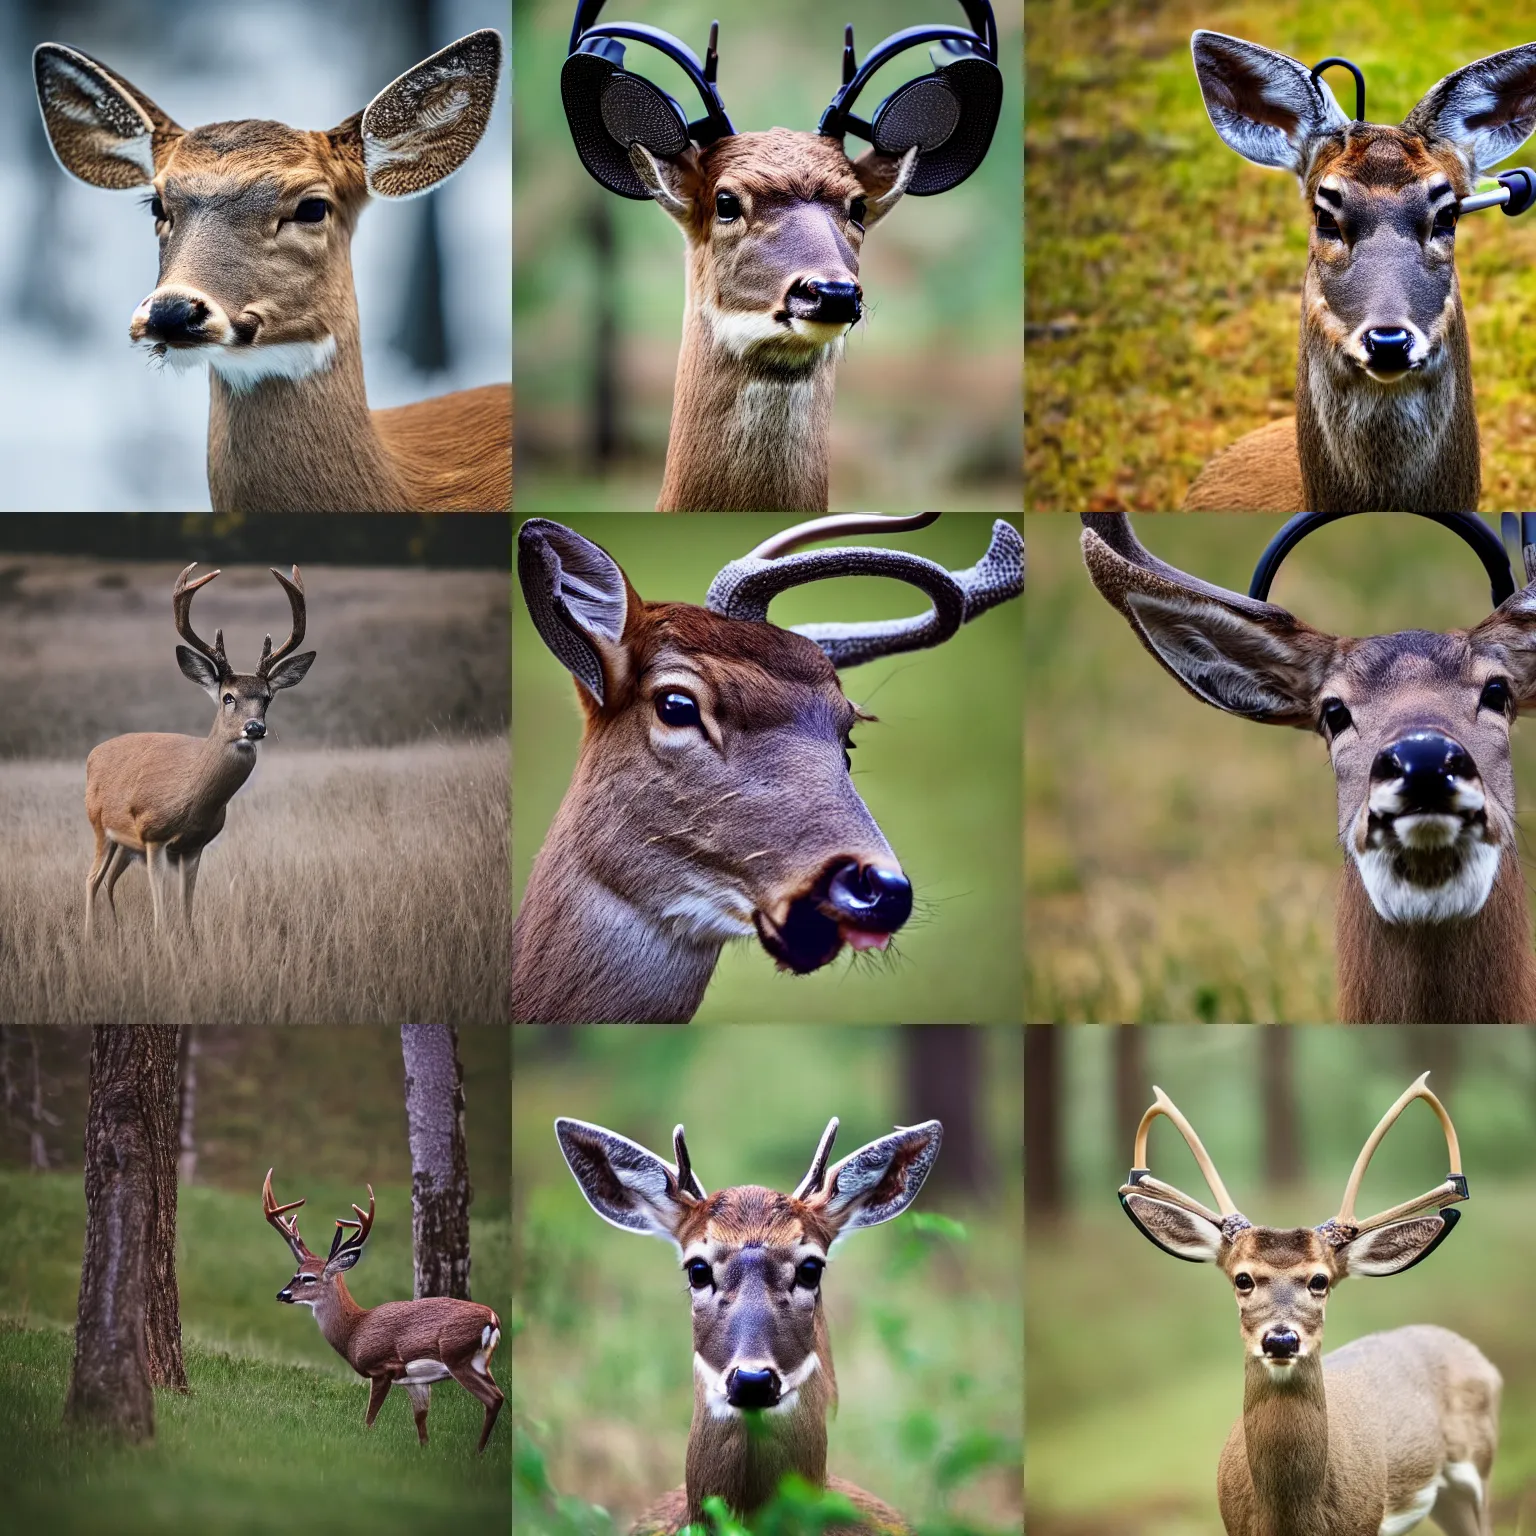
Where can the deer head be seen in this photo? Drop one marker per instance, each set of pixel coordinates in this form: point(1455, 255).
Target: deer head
point(313, 1283)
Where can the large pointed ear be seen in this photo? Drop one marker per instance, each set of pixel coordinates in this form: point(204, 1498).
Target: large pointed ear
point(879, 1181)
point(197, 668)
point(422, 127)
point(1248, 658)
point(1487, 109)
point(1265, 105)
point(1510, 633)
point(885, 178)
point(674, 182)
point(101, 128)
point(579, 601)
point(290, 671)
point(1173, 1229)
point(627, 1185)
point(1391, 1250)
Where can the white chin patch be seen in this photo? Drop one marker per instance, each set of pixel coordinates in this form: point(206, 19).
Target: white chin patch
point(243, 368)
point(1399, 900)
point(742, 332)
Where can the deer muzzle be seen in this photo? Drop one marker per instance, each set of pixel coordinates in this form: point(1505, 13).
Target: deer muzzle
point(853, 901)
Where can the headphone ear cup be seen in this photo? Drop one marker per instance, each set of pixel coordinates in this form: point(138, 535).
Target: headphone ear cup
point(607, 109)
point(949, 116)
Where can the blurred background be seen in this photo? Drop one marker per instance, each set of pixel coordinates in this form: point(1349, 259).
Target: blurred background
point(86, 424)
point(1165, 271)
point(927, 410)
point(275, 1418)
point(1135, 1366)
point(947, 717)
point(925, 1317)
point(1181, 863)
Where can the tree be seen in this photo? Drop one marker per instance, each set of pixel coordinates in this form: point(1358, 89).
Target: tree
point(440, 1192)
point(128, 1322)
point(941, 1068)
point(1132, 1090)
point(1044, 1175)
point(1277, 1093)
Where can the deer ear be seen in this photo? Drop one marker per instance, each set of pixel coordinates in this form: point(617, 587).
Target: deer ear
point(290, 670)
point(579, 601)
point(623, 1182)
point(1170, 1227)
point(1487, 109)
point(343, 1261)
point(421, 128)
point(879, 1181)
point(1391, 1250)
point(673, 182)
point(1265, 105)
point(198, 669)
point(885, 179)
point(103, 130)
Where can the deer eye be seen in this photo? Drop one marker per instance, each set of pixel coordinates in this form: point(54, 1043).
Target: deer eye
point(229, 698)
point(1495, 695)
point(727, 207)
point(1327, 225)
point(311, 211)
point(1336, 717)
point(1445, 220)
point(856, 211)
point(1318, 1285)
point(310, 1279)
point(676, 709)
point(1243, 1281)
point(699, 1274)
point(156, 207)
point(808, 1273)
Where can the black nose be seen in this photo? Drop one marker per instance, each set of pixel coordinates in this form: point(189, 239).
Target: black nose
point(285, 1294)
point(830, 303)
point(752, 1389)
point(176, 319)
point(1388, 350)
point(255, 729)
point(1281, 1344)
point(1428, 764)
point(871, 897)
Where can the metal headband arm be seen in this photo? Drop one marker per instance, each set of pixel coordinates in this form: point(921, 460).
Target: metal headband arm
point(700, 74)
point(1354, 69)
point(838, 118)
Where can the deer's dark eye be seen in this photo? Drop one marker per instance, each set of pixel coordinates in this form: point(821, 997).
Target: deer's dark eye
point(699, 1274)
point(1495, 695)
point(676, 709)
point(808, 1273)
point(1445, 220)
point(1318, 1285)
point(309, 1279)
point(727, 207)
point(856, 211)
point(1243, 1281)
point(229, 698)
point(311, 211)
point(1327, 225)
point(156, 207)
point(1336, 717)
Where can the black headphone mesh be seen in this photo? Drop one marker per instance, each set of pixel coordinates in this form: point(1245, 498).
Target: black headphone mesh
point(978, 86)
point(924, 113)
point(634, 109)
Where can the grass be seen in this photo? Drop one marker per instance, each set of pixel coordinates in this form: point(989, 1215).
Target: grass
point(274, 1421)
point(1164, 272)
point(939, 772)
point(1180, 864)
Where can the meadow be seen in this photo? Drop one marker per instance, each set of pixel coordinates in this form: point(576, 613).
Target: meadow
point(1135, 1364)
point(1164, 272)
point(939, 773)
point(1180, 864)
point(928, 400)
point(924, 1317)
point(361, 874)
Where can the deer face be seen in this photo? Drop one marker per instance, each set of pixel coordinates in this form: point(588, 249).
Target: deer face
point(1281, 1280)
point(775, 223)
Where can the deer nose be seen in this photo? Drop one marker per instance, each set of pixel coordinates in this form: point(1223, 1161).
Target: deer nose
point(752, 1389)
point(1281, 1344)
point(1427, 765)
point(176, 319)
point(870, 896)
point(828, 303)
point(1388, 349)
point(285, 1294)
point(255, 729)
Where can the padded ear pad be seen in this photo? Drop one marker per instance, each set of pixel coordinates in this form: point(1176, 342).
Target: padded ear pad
point(949, 115)
point(607, 109)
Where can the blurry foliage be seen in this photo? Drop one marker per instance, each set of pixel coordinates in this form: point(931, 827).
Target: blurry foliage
point(1164, 271)
point(1181, 863)
point(928, 401)
point(946, 715)
point(923, 1312)
point(1130, 1349)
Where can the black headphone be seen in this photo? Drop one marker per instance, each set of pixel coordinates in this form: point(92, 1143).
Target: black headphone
point(948, 116)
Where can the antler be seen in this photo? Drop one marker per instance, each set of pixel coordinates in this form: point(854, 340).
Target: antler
point(295, 591)
point(1228, 1217)
point(816, 1174)
point(744, 589)
point(687, 1179)
point(269, 1207)
point(1344, 1227)
point(364, 1224)
point(181, 606)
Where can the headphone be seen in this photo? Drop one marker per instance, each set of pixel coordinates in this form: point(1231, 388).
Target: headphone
point(948, 116)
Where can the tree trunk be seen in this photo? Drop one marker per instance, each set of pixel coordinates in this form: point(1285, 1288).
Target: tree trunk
point(1044, 1175)
point(440, 1192)
point(1277, 1093)
point(1132, 1090)
point(128, 1327)
point(186, 1163)
point(941, 1067)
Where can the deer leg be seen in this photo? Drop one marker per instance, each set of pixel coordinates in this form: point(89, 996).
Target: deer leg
point(104, 851)
point(421, 1400)
point(150, 850)
point(483, 1387)
point(118, 860)
point(378, 1390)
point(189, 863)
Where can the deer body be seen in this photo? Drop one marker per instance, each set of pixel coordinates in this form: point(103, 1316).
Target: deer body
point(1385, 417)
point(754, 1261)
point(255, 223)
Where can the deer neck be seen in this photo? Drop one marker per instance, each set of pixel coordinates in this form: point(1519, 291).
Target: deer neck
point(338, 1315)
point(302, 445)
point(586, 952)
point(222, 767)
point(1479, 970)
point(1370, 447)
point(1285, 1436)
point(742, 1463)
point(746, 436)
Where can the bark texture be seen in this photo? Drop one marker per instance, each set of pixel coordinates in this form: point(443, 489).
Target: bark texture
point(941, 1068)
point(1044, 1163)
point(440, 1192)
point(128, 1323)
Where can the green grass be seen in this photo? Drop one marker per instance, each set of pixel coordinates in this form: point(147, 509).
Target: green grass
point(1164, 272)
point(274, 1421)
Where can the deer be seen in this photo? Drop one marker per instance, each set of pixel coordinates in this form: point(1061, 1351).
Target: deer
point(712, 798)
point(255, 222)
point(161, 798)
point(408, 1344)
point(1431, 924)
point(1373, 1439)
point(1385, 417)
point(754, 1260)
point(773, 226)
